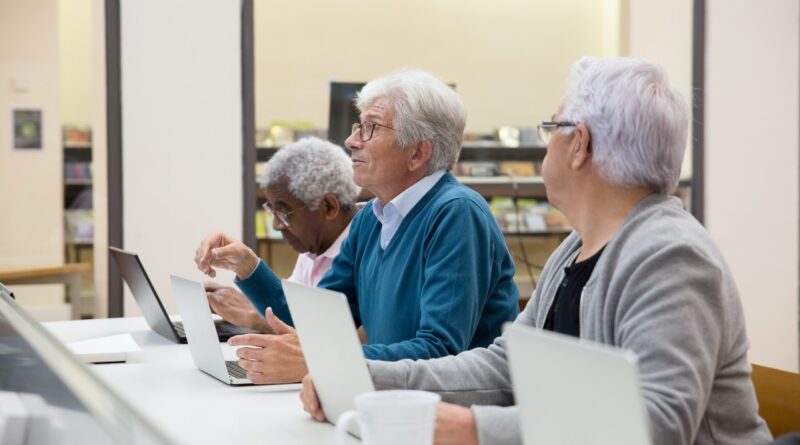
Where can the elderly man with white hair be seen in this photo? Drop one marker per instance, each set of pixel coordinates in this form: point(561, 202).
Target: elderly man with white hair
point(311, 195)
point(425, 267)
point(638, 272)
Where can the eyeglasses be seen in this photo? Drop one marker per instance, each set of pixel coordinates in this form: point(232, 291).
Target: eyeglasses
point(366, 129)
point(283, 217)
point(546, 129)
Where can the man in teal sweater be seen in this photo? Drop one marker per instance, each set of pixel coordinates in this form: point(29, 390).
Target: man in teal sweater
point(425, 267)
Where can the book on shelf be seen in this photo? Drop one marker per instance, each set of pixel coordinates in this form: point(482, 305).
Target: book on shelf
point(77, 170)
point(264, 229)
point(495, 168)
point(528, 216)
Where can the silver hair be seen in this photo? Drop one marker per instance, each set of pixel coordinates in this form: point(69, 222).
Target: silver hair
point(425, 108)
point(312, 168)
point(637, 120)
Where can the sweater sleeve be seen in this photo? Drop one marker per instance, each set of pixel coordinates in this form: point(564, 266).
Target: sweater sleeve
point(497, 425)
point(457, 283)
point(671, 314)
point(263, 289)
point(479, 378)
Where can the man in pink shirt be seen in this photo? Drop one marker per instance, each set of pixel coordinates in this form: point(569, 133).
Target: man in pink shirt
point(311, 195)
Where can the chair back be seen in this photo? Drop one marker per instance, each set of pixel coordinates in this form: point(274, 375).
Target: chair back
point(778, 394)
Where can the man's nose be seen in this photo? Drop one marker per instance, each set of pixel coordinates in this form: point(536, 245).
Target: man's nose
point(353, 142)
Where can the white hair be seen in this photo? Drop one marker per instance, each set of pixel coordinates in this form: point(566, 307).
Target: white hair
point(425, 108)
point(638, 122)
point(312, 168)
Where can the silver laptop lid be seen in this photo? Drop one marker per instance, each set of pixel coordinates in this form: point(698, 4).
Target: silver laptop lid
point(199, 326)
point(574, 391)
point(132, 270)
point(330, 344)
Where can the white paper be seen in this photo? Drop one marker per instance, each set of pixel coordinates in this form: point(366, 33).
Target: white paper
point(113, 348)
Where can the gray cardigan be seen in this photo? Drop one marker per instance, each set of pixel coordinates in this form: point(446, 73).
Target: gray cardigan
point(661, 289)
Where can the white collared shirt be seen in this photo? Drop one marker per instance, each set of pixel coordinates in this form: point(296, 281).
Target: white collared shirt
point(391, 215)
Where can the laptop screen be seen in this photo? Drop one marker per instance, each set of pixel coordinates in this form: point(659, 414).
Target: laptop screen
point(132, 271)
point(79, 407)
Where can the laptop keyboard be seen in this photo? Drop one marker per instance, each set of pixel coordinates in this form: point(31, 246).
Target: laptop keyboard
point(179, 329)
point(235, 370)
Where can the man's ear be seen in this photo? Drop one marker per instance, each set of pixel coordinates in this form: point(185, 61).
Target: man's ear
point(420, 154)
point(331, 206)
point(581, 148)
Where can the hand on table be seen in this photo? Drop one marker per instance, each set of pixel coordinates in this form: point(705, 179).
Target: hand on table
point(271, 358)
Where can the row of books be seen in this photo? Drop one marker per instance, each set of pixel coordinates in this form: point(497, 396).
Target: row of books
point(497, 168)
point(529, 215)
point(77, 170)
point(79, 225)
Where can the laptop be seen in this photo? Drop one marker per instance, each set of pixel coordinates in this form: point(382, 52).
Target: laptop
point(203, 343)
point(133, 273)
point(330, 344)
point(572, 391)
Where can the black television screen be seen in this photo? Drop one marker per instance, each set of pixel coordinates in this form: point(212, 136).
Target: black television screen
point(342, 113)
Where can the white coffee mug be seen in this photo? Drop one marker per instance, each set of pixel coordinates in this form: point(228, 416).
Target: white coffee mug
point(392, 418)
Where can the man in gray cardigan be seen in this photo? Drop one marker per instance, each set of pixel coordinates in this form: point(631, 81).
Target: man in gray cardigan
point(638, 272)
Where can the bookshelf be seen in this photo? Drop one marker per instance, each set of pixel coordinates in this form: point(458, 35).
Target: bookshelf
point(79, 216)
point(508, 178)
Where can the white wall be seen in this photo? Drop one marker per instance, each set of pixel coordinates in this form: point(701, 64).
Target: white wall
point(509, 59)
point(99, 155)
point(661, 31)
point(31, 188)
point(76, 52)
point(751, 125)
point(182, 131)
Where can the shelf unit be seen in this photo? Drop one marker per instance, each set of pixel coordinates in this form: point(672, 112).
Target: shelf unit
point(535, 245)
point(78, 216)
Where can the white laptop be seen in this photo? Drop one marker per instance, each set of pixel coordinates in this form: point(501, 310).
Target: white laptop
point(202, 334)
point(571, 391)
point(330, 343)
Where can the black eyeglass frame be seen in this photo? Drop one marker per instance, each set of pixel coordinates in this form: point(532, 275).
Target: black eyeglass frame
point(545, 129)
point(369, 124)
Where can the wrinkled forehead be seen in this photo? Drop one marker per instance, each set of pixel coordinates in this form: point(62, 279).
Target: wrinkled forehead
point(380, 109)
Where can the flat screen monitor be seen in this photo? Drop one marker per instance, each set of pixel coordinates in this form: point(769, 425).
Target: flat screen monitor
point(77, 406)
point(342, 113)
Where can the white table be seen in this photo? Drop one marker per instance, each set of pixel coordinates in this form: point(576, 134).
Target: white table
point(190, 407)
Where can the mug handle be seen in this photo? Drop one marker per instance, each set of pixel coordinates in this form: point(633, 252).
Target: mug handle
point(343, 424)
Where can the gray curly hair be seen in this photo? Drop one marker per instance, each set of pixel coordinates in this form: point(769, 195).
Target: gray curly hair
point(312, 168)
point(425, 108)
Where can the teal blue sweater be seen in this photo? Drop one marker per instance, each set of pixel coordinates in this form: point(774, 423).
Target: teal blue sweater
point(443, 285)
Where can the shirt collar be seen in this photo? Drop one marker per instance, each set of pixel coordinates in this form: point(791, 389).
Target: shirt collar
point(409, 197)
point(334, 248)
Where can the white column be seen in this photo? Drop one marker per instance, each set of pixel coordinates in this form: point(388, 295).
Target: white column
point(751, 126)
point(182, 131)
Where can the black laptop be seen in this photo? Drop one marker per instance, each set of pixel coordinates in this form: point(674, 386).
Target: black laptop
point(132, 271)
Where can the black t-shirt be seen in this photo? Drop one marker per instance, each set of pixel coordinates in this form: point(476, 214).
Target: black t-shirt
point(564, 315)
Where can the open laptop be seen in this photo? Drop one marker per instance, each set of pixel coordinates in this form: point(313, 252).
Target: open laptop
point(330, 344)
point(572, 391)
point(203, 343)
point(132, 271)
